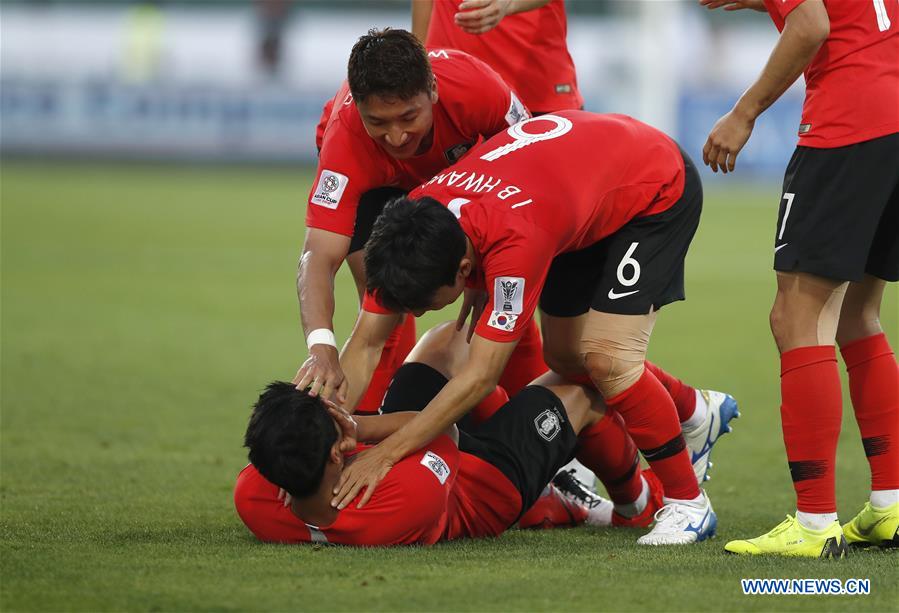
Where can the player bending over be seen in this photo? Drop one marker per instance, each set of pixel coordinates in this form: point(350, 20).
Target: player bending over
point(589, 215)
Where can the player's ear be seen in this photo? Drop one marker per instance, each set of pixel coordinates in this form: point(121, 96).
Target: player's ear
point(465, 267)
point(433, 93)
point(335, 456)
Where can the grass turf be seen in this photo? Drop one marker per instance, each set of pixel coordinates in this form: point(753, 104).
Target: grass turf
point(143, 307)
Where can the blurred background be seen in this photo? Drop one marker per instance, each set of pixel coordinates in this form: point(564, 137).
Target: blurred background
point(156, 159)
point(246, 80)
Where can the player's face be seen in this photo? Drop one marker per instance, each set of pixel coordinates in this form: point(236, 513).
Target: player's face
point(403, 128)
point(444, 296)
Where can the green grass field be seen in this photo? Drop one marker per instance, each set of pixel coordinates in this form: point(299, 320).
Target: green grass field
point(143, 308)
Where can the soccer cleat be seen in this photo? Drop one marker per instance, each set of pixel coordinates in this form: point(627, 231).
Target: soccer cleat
point(682, 524)
point(655, 502)
point(874, 526)
point(599, 509)
point(791, 538)
point(721, 409)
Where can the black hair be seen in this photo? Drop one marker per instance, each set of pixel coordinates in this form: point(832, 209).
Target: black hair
point(415, 248)
point(389, 63)
point(289, 436)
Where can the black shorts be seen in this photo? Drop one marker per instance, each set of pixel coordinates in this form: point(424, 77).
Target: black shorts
point(637, 269)
point(370, 206)
point(528, 439)
point(839, 213)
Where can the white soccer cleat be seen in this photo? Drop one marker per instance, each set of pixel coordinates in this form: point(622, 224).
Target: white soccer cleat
point(599, 509)
point(721, 409)
point(680, 523)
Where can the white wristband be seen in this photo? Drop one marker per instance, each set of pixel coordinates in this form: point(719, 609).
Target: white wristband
point(321, 336)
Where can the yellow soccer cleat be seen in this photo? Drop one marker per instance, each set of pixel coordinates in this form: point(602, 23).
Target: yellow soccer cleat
point(790, 538)
point(874, 526)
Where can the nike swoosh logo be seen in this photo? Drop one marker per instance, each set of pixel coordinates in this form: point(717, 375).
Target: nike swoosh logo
point(867, 530)
point(698, 527)
point(779, 247)
point(615, 296)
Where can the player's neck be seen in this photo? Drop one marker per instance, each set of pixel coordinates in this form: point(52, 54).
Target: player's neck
point(316, 509)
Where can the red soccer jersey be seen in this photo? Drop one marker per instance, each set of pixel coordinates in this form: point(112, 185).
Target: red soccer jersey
point(483, 501)
point(473, 103)
point(852, 84)
point(408, 507)
point(527, 49)
point(549, 185)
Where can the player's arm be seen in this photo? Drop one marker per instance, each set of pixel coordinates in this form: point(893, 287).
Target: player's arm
point(735, 5)
point(323, 253)
point(806, 28)
point(421, 18)
point(479, 16)
point(362, 352)
point(478, 378)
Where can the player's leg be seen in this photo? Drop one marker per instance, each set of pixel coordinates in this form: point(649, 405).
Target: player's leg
point(704, 416)
point(874, 386)
point(833, 201)
point(402, 339)
point(642, 271)
point(605, 447)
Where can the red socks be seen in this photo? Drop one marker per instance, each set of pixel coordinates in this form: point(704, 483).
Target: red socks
point(526, 362)
point(683, 395)
point(652, 422)
point(874, 389)
point(810, 412)
point(398, 345)
point(608, 450)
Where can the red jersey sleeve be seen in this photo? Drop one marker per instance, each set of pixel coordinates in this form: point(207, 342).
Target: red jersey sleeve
point(370, 303)
point(488, 108)
point(779, 9)
point(514, 275)
point(408, 507)
point(342, 177)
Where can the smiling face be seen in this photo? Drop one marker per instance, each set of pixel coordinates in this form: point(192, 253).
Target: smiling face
point(402, 127)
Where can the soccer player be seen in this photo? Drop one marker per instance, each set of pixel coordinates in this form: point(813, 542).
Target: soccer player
point(457, 485)
point(591, 215)
point(836, 245)
point(403, 115)
point(524, 41)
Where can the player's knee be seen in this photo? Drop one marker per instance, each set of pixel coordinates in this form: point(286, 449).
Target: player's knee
point(442, 348)
point(858, 323)
point(564, 363)
point(778, 320)
point(613, 374)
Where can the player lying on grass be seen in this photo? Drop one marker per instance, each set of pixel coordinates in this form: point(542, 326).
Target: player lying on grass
point(591, 215)
point(458, 485)
point(603, 444)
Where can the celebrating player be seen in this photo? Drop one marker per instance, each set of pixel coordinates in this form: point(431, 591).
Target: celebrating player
point(507, 452)
point(619, 203)
point(836, 246)
point(400, 118)
point(508, 36)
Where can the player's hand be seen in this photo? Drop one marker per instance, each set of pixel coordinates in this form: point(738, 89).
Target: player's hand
point(735, 5)
point(321, 373)
point(473, 302)
point(726, 140)
point(349, 430)
point(479, 16)
point(366, 471)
